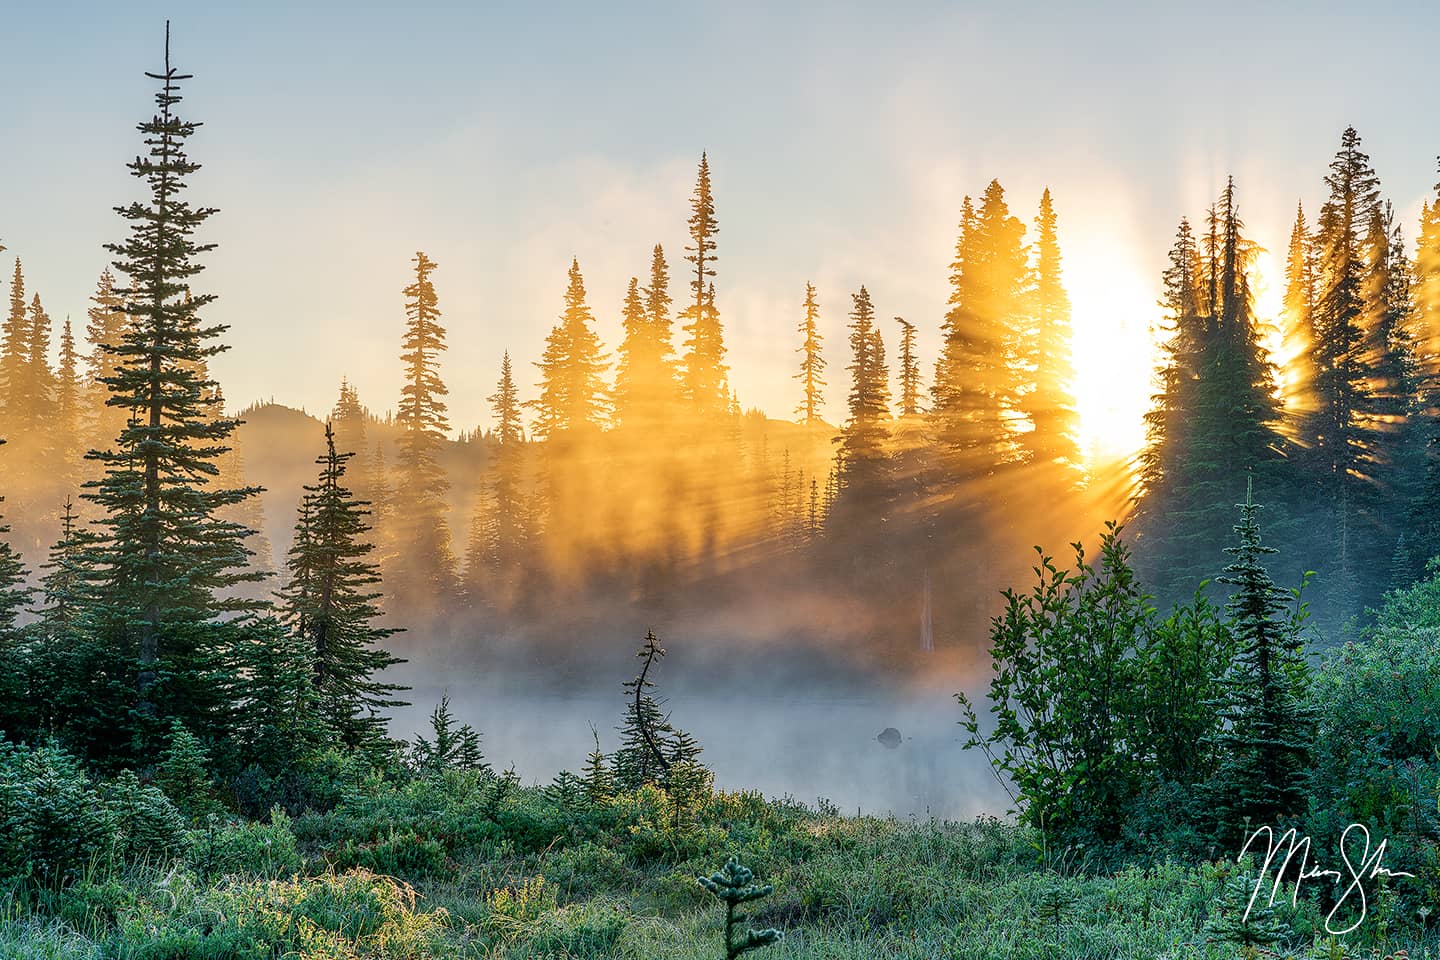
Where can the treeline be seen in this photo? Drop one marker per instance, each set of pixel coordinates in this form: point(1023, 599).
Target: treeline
point(637, 474)
point(1333, 415)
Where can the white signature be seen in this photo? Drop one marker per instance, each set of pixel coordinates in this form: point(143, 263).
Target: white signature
point(1291, 843)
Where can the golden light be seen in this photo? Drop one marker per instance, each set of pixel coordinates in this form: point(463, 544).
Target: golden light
point(1113, 308)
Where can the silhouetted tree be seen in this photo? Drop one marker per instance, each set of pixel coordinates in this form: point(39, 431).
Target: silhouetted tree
point(706, 379)
point(812, 362)
point(425, 567)
point(572, 369)
point(330, 604)
point(909, 370)
point(1049, 400)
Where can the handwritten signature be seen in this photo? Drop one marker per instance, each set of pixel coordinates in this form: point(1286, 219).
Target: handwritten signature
point(1291, 844)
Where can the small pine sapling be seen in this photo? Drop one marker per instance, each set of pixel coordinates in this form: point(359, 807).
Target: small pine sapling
point(1249, 926)
point(599, 778)
point(733, 885)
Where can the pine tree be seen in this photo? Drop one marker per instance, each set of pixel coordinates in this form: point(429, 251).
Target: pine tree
point(41, 379)
point(571, 369)
point(812, 363)
point(14, 594)
point(63, 585)
point(1265, 739)
point(105, 327)
point(598, 778)
point(184, 773)
point(1049, 403)
point(15, 359)
point(330, 604)
point(909, 370)
point(1216, 415)
point(506, 532)
point(1342, 321)
point(706, 378)
point(645, 375)
point(646, 732)
point(976, 384)
point(69, 395)
point(449, 747)
point(1299, 331)
point(864, 438)
point(167, 558)
point(1427, 289)
point(419, 530)
point(349, 418)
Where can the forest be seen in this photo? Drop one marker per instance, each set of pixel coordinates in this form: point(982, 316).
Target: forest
point(211, 617)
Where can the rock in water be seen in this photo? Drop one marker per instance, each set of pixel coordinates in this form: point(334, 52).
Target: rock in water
point(890, 737)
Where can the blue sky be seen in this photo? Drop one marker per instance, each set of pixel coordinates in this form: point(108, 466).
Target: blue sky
point(504, 138)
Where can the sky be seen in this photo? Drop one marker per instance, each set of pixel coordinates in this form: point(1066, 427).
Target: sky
point(505, 138)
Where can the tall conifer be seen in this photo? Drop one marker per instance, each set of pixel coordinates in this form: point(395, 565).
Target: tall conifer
point(812, 361)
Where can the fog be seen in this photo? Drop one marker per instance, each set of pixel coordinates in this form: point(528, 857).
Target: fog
point(806, 743)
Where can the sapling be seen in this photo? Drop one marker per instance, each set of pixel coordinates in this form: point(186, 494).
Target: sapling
point(732, 885)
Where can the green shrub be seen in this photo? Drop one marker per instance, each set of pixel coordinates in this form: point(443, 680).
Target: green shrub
point(245, 848)
point(400, 853)
point(52, 823)
point(147, 825)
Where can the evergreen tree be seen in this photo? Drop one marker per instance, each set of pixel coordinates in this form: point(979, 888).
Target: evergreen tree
point(167, 558)
point(419, 530)
point(571, 369)
point(865, 435)
point(69, 395)
point(14, 594)
point(15, 358)
point(1343, 318)
point(647, 737)
point(706, 377)
point(975, 384)
point(909, 370)
point(105, 326)
point(330, 604)
point(505, 539)
point(598, 778)
point(1216, 416)
point(1427, 289)
point(1299, 332)
point(349, 419)
point(449, 747)
point(812, 363)
point(645, 375)
point(1265, 738)
point(1049, 402)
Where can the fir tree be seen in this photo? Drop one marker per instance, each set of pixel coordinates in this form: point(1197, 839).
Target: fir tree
point(420, 533)
point(1342, 318)
point(812, 363)
point(598, 777)
point(734, 886)
point(706, 378)
point(449, 747)
point(646, 731)
point(349, 418)
point(1264, 743)
point(14, 594)
point(506, 532)
point(104, 328)
point(975, 379)
point(571, 369)
point(645, 375)
point(15, 357)
point(68, 398)
point(865, 435)
point(909, 370)
point(330, 604)
point(1049, 401)
point(167, 558)
point(184, 773)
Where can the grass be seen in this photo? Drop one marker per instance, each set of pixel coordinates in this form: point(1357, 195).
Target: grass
point(435, 868)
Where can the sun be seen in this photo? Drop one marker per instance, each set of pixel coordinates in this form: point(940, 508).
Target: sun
point(1114, 349)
